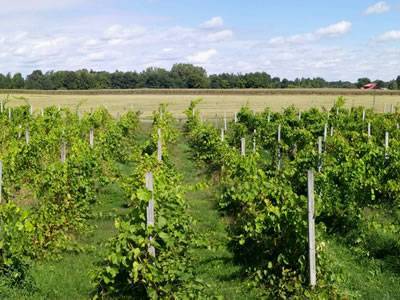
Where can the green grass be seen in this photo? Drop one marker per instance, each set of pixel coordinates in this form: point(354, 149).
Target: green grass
point(362, 277)
point(213, 264)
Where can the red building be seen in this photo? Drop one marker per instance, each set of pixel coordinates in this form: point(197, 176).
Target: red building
point(370, 86)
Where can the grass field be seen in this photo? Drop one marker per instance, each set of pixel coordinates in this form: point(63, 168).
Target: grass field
point(212, 105)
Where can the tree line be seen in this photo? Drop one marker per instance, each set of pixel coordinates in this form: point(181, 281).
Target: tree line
point(179, 76)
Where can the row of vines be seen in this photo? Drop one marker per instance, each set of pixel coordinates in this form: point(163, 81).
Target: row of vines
point(53, 165)
point(263, 188)
point(131, 269)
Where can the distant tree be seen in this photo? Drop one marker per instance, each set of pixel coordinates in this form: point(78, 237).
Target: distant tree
point(393, 85)
point(155, 78)
point(380, 84)
point(18, 82)
point(257, 80)
point(101, 79)
point(363, 81)
point(6, 81)
point(86, 80)
point(35, 80)
point(276, 82)
point(179, 76)
point(189, 76)
point(124, 80)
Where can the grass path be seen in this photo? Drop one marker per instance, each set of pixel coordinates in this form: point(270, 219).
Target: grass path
point(213, 265)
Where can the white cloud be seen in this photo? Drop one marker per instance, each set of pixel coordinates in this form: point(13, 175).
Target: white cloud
point(393, 35)
point(377, 8)
point(117, 34)
point(213, 23)
point(333, 30)
point(202, 56)
point(97, 56)
point(220, 36)
point(36, 41)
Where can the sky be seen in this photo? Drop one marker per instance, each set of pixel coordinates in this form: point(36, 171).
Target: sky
point(336, 40)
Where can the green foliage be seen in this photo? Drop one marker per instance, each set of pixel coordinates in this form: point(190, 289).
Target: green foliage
point(267, 204)
point(48, 201)
point(129, 270)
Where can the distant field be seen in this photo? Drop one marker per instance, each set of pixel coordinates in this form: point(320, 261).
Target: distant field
point(215, 102)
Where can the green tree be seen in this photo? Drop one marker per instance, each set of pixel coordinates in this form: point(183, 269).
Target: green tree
point(35, 80)
point(189, 76)
point(18, 81)
point(155, 78)
point(363, 81)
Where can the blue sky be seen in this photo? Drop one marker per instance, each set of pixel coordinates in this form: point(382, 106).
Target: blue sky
point(337, 40)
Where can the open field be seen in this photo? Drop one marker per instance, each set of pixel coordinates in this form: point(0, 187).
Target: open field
point(215, 102)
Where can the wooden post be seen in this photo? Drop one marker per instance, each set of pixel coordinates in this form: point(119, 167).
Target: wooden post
point(332, 130)
point(91, 138)
point(236, 118)
point(63, 154)
point(1, 106)
point(319, 153)
point(363, 115)
point(150, 209)
point(225, 123)
point(27, 136)
point(279, 147)
point(386, 141)
point(159, 145)
point(19, 131)
point(1, 181)
point(269, 117)
point(254, 141)
point(243, 146)
point(369, 129)
point(279, 133)
point(222, 135)
point(325, 132)
point(311, 230)
point(9, 114)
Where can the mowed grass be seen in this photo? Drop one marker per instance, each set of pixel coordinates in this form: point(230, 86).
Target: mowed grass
point(211, 106)
point(214, 263)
